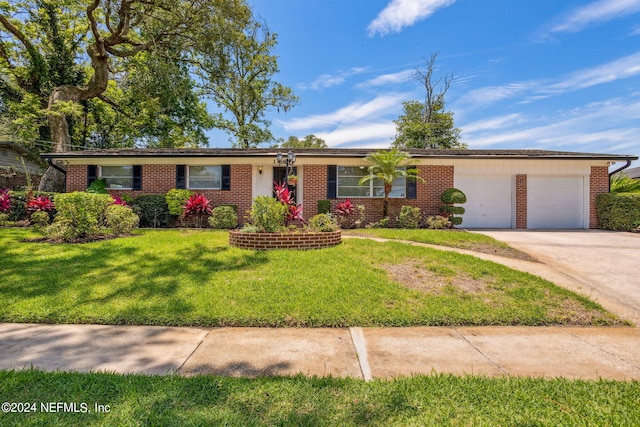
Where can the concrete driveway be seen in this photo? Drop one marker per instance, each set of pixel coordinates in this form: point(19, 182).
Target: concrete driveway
point(605, 264)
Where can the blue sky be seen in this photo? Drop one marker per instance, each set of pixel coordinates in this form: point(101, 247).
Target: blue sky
point(542, 74)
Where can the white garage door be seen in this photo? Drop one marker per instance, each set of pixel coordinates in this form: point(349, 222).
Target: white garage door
point(488, 200)
point(555, 202)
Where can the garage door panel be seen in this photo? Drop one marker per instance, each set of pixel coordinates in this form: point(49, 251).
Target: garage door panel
point(555, 202)
point(488, 200)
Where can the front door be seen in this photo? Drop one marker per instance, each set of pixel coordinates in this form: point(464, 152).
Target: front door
point(280, 175)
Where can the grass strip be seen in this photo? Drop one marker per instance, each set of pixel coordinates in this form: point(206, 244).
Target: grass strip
point(407, 401)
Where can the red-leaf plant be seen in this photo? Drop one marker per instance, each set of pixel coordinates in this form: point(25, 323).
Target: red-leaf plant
point(345, 208)
point(198, 206)
point(294, 213)
point(41, 203)
point(117, 200)
point(5, 200)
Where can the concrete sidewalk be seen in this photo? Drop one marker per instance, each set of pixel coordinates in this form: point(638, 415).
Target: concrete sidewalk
point(570, 352)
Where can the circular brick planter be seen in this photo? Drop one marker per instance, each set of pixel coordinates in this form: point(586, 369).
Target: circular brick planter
point(265, 241)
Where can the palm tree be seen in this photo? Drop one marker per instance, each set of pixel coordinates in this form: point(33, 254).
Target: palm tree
point(387, 166)
point(623, 184)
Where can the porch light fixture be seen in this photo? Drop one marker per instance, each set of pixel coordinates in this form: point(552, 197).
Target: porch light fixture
point(260, 169)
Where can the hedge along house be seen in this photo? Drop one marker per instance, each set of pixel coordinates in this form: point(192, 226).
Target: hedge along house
point(504, 188)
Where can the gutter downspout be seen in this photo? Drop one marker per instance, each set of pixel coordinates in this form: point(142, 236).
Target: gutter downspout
point(64, 172)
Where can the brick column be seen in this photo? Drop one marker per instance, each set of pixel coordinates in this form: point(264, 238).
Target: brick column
point(598, 184)
point(521, 201)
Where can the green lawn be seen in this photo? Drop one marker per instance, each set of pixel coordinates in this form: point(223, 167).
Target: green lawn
point(437, 400)
point(189, 277)
point(452, 238)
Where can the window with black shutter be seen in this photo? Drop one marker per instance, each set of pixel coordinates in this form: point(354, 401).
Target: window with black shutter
point(332, 181)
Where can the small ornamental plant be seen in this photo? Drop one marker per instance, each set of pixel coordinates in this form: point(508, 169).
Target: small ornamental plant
point(5, 200)
point(345, 213)
point(40, 204)
point(284, 196)
point(292, 180)
point(117, 200)
point(198, 207)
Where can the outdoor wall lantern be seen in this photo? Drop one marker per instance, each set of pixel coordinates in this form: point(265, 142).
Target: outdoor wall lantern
point(288, 161)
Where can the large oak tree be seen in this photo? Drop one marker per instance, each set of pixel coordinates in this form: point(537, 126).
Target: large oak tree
point(103, 33)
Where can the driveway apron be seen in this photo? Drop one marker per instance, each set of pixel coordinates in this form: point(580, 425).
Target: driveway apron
point(605, 263)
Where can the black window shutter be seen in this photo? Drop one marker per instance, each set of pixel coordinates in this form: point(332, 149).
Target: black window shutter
point(412, 188)
point(332, 181)
point(226, 177)
point(92, 174)
point(180, 176)
point(137, 177)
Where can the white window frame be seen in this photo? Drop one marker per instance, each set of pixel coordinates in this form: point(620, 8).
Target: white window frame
point(188, 177)
point(399, 190)
point(106, 178)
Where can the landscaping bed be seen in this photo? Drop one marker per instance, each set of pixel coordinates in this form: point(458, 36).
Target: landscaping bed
point(191, 277)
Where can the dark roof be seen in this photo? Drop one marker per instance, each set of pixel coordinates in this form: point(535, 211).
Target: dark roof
point(330, 152)
point(31, 155)
point(632, 172)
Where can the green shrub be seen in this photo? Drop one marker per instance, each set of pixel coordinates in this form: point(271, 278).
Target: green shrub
point(323, 222)
point(98, 186)
point(4, 219)
point(268, 215)
point(618, 211)
point(176, 199)
point(232, 206)
point(324, 206)
point(449, 197)
point(120, 219)
point(79, 214)
point(152, 210)
point(383, 223)
point(223, 217)
point(438, 222)
point(409, 217)
point(248, 228)
point(39, 218)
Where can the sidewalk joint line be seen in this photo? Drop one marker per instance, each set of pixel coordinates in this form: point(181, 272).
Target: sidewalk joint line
point(481, 353)
point(194, 350)
point(360, 345)
point(604, 351)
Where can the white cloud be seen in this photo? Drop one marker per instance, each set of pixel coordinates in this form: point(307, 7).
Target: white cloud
point(532, 90)
point(403, 13)
point(596, 12)
point(373, 135)
point(357, 111)
point(595, 127)
point(328, 80)
point(616, 70)
point(388, 79)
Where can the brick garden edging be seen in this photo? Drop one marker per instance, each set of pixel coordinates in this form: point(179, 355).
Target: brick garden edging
point(266, 241)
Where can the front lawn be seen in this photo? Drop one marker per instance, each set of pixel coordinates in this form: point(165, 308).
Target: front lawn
point(453, 238)
point(189, 277)
point(128, 400)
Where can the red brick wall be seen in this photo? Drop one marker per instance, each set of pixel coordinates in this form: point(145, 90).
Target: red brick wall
point(437, 179)
point(158, 179)
point(264, 241)
point(598, 184)
point(521, 201)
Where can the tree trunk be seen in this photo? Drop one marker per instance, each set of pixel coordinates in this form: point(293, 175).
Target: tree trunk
point(53, 180)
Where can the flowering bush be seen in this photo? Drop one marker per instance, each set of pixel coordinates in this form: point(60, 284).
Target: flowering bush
point(5, 201)
point(409, 217)
point(197, 206)
point(40, 204)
